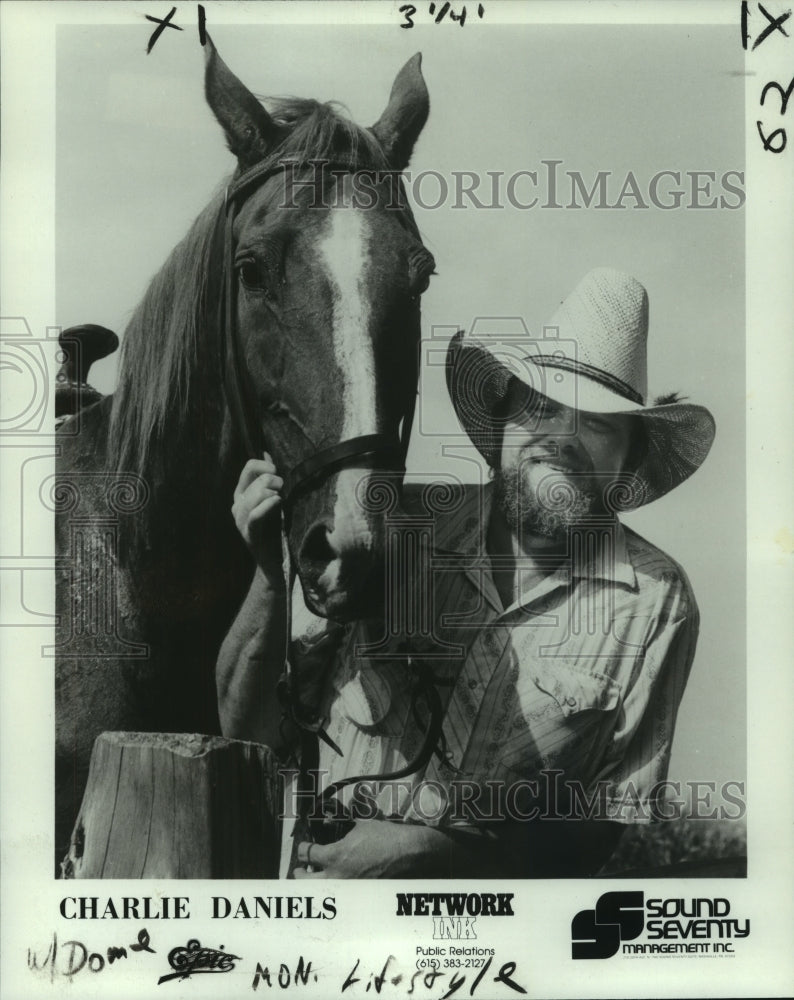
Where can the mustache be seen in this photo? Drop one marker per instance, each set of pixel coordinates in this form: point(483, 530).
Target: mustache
point(552, 454)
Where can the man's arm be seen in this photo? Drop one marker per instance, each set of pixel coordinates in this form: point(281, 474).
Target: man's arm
point(252, 655)
point(250, 663)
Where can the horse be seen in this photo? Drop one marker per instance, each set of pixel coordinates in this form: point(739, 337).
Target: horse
point(287, 319)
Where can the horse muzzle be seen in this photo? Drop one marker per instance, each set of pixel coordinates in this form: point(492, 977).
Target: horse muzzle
point(341, 552)
point(342, 584)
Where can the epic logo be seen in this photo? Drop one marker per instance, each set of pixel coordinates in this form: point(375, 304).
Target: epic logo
point(617, 917)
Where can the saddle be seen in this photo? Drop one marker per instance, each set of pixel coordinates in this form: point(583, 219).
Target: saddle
point(81, 346)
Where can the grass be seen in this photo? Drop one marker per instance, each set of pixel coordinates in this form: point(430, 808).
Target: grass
point(699, 843)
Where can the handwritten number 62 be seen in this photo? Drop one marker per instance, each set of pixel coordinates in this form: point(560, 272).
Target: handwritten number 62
point(768, 140)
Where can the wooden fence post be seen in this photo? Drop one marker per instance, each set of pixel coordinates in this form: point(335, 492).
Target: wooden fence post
point(177, 805)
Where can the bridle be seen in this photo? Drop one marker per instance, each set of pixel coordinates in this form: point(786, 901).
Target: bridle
point(382, 450)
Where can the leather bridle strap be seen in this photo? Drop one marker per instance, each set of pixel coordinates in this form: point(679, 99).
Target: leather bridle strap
point(371, 447)
point(239, 397)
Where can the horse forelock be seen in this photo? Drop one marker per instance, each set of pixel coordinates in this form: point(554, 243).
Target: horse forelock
point(320, 131)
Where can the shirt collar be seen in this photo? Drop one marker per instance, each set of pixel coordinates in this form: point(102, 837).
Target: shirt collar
point(463, 532)
point(610, 564)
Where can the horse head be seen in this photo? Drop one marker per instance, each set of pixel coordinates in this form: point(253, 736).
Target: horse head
point(324, 269)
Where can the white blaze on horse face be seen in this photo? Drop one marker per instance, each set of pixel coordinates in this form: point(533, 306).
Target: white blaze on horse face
point(343, 250)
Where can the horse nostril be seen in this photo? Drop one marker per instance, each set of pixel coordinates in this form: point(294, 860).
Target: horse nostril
point(316, 550)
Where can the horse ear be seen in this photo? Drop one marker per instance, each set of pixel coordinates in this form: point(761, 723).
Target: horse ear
point(250, 131)
point(399, 126)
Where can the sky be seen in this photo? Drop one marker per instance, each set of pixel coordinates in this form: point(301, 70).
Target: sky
point(138, 155)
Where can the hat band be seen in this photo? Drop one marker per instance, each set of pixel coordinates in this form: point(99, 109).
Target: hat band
point(590, 371)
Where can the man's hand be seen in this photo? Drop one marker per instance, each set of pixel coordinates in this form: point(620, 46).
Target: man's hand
point(380, 849)
point(257, 513)
point(539, 849)
point(252, 655)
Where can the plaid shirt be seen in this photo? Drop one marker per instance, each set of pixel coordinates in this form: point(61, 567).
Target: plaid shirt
point(583, 674)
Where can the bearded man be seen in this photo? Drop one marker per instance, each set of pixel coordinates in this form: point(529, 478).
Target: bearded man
point(532, 720)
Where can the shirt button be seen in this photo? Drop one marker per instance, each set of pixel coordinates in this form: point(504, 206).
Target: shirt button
point(571, 702)
point(492, 642)
point(472, 683)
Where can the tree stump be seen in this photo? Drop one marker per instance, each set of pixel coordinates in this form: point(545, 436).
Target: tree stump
point(177, 805)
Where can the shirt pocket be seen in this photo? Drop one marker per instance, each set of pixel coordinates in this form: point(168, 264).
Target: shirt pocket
point(563, 719)
point(574, 690)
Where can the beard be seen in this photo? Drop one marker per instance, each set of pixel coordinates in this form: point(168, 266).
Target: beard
point(548, 508)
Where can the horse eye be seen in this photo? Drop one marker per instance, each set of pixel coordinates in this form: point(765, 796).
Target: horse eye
point(250, 274)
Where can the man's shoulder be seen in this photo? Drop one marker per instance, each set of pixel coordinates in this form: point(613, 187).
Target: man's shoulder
point(656, 570)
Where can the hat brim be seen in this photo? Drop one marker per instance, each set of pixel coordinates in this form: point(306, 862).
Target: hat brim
point(678, 435)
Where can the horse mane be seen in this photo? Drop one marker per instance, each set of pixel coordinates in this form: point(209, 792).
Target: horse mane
point(166, 365)
point(160, 351)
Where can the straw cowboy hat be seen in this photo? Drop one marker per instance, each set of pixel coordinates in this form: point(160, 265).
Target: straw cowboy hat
point(592, 357)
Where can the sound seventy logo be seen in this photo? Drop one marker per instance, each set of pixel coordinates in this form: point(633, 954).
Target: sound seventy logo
point(696, 926)
point(617, 917)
